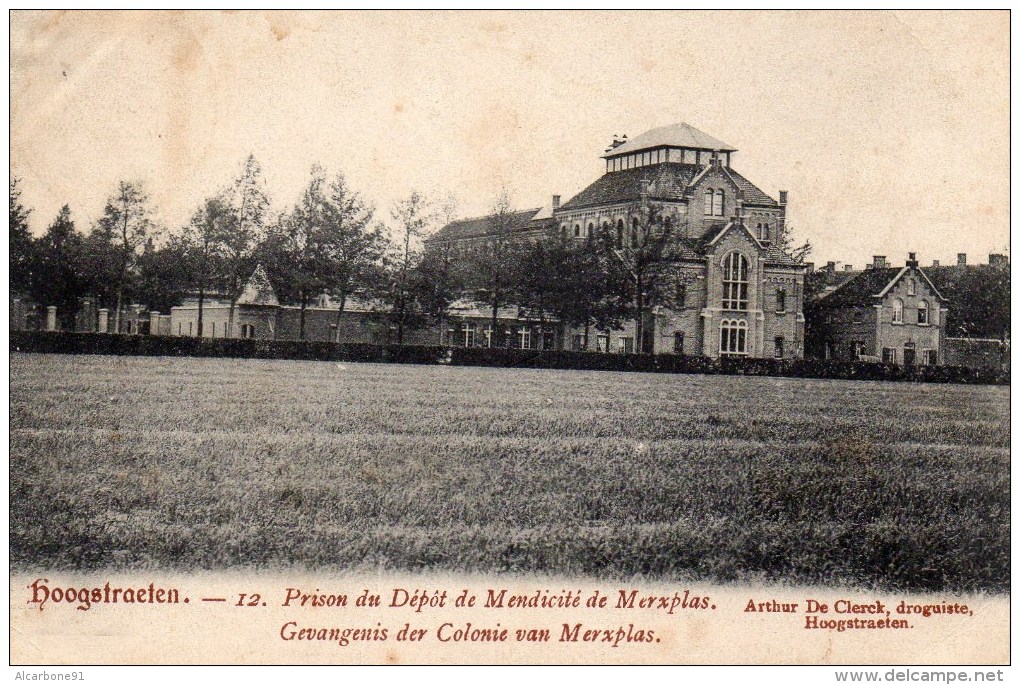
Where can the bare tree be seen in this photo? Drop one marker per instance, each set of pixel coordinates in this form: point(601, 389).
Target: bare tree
point(245, 205)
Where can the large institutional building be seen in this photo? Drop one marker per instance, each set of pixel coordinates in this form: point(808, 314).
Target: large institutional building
point(743, 295)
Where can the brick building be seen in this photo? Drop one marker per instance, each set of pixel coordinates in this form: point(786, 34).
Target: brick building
point(742, 294)
point(891, 314)
point(969, 328)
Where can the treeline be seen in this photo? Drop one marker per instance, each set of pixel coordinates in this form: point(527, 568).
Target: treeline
point(331, 242)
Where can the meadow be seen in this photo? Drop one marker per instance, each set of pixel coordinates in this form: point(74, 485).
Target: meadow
point(130, 463)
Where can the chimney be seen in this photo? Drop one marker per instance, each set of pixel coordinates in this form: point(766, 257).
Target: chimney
point(782, 198)
point(998, 260)
point(848, 267)
point(961, 259)
point(617, 142)
point(556, 202)
point(830, 267)
point(934, 262)
point(912, 260)
point(878, 262)
point(715, 158)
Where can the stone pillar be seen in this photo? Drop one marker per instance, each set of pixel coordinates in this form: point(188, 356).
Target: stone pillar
point(153, 323)
point(51, 318)
point(104, 320)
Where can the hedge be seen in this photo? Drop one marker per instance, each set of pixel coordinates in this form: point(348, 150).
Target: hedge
point(165, 346)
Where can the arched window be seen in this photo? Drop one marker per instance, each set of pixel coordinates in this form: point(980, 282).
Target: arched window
point(591, 229)
point(619, 233)
point(668, 223)
point(732, 338)
point(765, 235)
point(577, 230)
point(897, 311)
point(922, 312)
point(563, 229)
point(781, 300)
point(717, 208)
point(605, 229)
point(709, 201)
point(735, 279)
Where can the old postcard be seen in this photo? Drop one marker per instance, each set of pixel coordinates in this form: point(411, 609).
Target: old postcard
point(510, 338)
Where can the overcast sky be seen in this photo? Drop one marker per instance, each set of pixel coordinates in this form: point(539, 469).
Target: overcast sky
point(891, 131)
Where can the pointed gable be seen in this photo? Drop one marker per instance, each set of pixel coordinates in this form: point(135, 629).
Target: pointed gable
point(258, 290)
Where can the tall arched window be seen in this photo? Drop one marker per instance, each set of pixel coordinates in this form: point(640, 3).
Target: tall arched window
point(577, 230)
point(717, 206)
point(922, 312)
point(619, 233)
point(709, 201)
point(591, 229)
point(563, 229)
point(765, 235)
point(897, 311)
point(735, 279)
point(733, 338)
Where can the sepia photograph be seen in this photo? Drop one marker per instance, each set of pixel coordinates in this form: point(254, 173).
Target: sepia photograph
point(519, 337)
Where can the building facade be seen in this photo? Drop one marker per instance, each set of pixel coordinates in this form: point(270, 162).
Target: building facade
point(741, 295)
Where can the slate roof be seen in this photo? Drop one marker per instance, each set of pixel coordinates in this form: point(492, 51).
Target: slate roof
point(752, 193)
point(668, 182)
point(862, 289)
point(482, 225)
point(673, 135)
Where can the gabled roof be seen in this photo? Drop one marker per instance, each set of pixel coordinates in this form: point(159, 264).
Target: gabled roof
point(674, 135)
point(668, 181)
point(482, 225)
point(752, 194)
point(258, 290)
point(867, 286)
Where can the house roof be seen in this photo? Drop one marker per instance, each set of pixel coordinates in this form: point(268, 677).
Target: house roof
point(673, 135)
point(258, 290)
point(482, 225)
point(668, 181)
point(865, 286)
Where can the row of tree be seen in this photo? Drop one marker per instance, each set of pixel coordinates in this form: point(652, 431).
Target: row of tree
point(330, 242)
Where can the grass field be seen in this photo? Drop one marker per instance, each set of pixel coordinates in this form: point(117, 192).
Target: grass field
point(150, 463)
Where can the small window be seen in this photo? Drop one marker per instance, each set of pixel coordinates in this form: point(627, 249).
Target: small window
point(247, 331)
point(548, 339)
point(897, 311)
point(779, 346)
point(888, 355)
point(619, 233)
point(911, 287)
point(524, 336)
point(858, 316)
point(781, 300)
point(468, 334)
point(922, 313)
point(577, 230)
point(576, 342)
point(717, 208)
point(591, 229)
point(765, 233)
point(929, 358)
point(602, 343)
point(857, 347)
point(681, 293)
point(625, 345)
point(709, 201)
point(678, 342)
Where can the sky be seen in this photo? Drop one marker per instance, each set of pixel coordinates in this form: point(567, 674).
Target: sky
point(889, 130)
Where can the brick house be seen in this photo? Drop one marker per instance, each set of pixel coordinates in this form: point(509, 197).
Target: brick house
point(895, 315)
point(742, 295)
